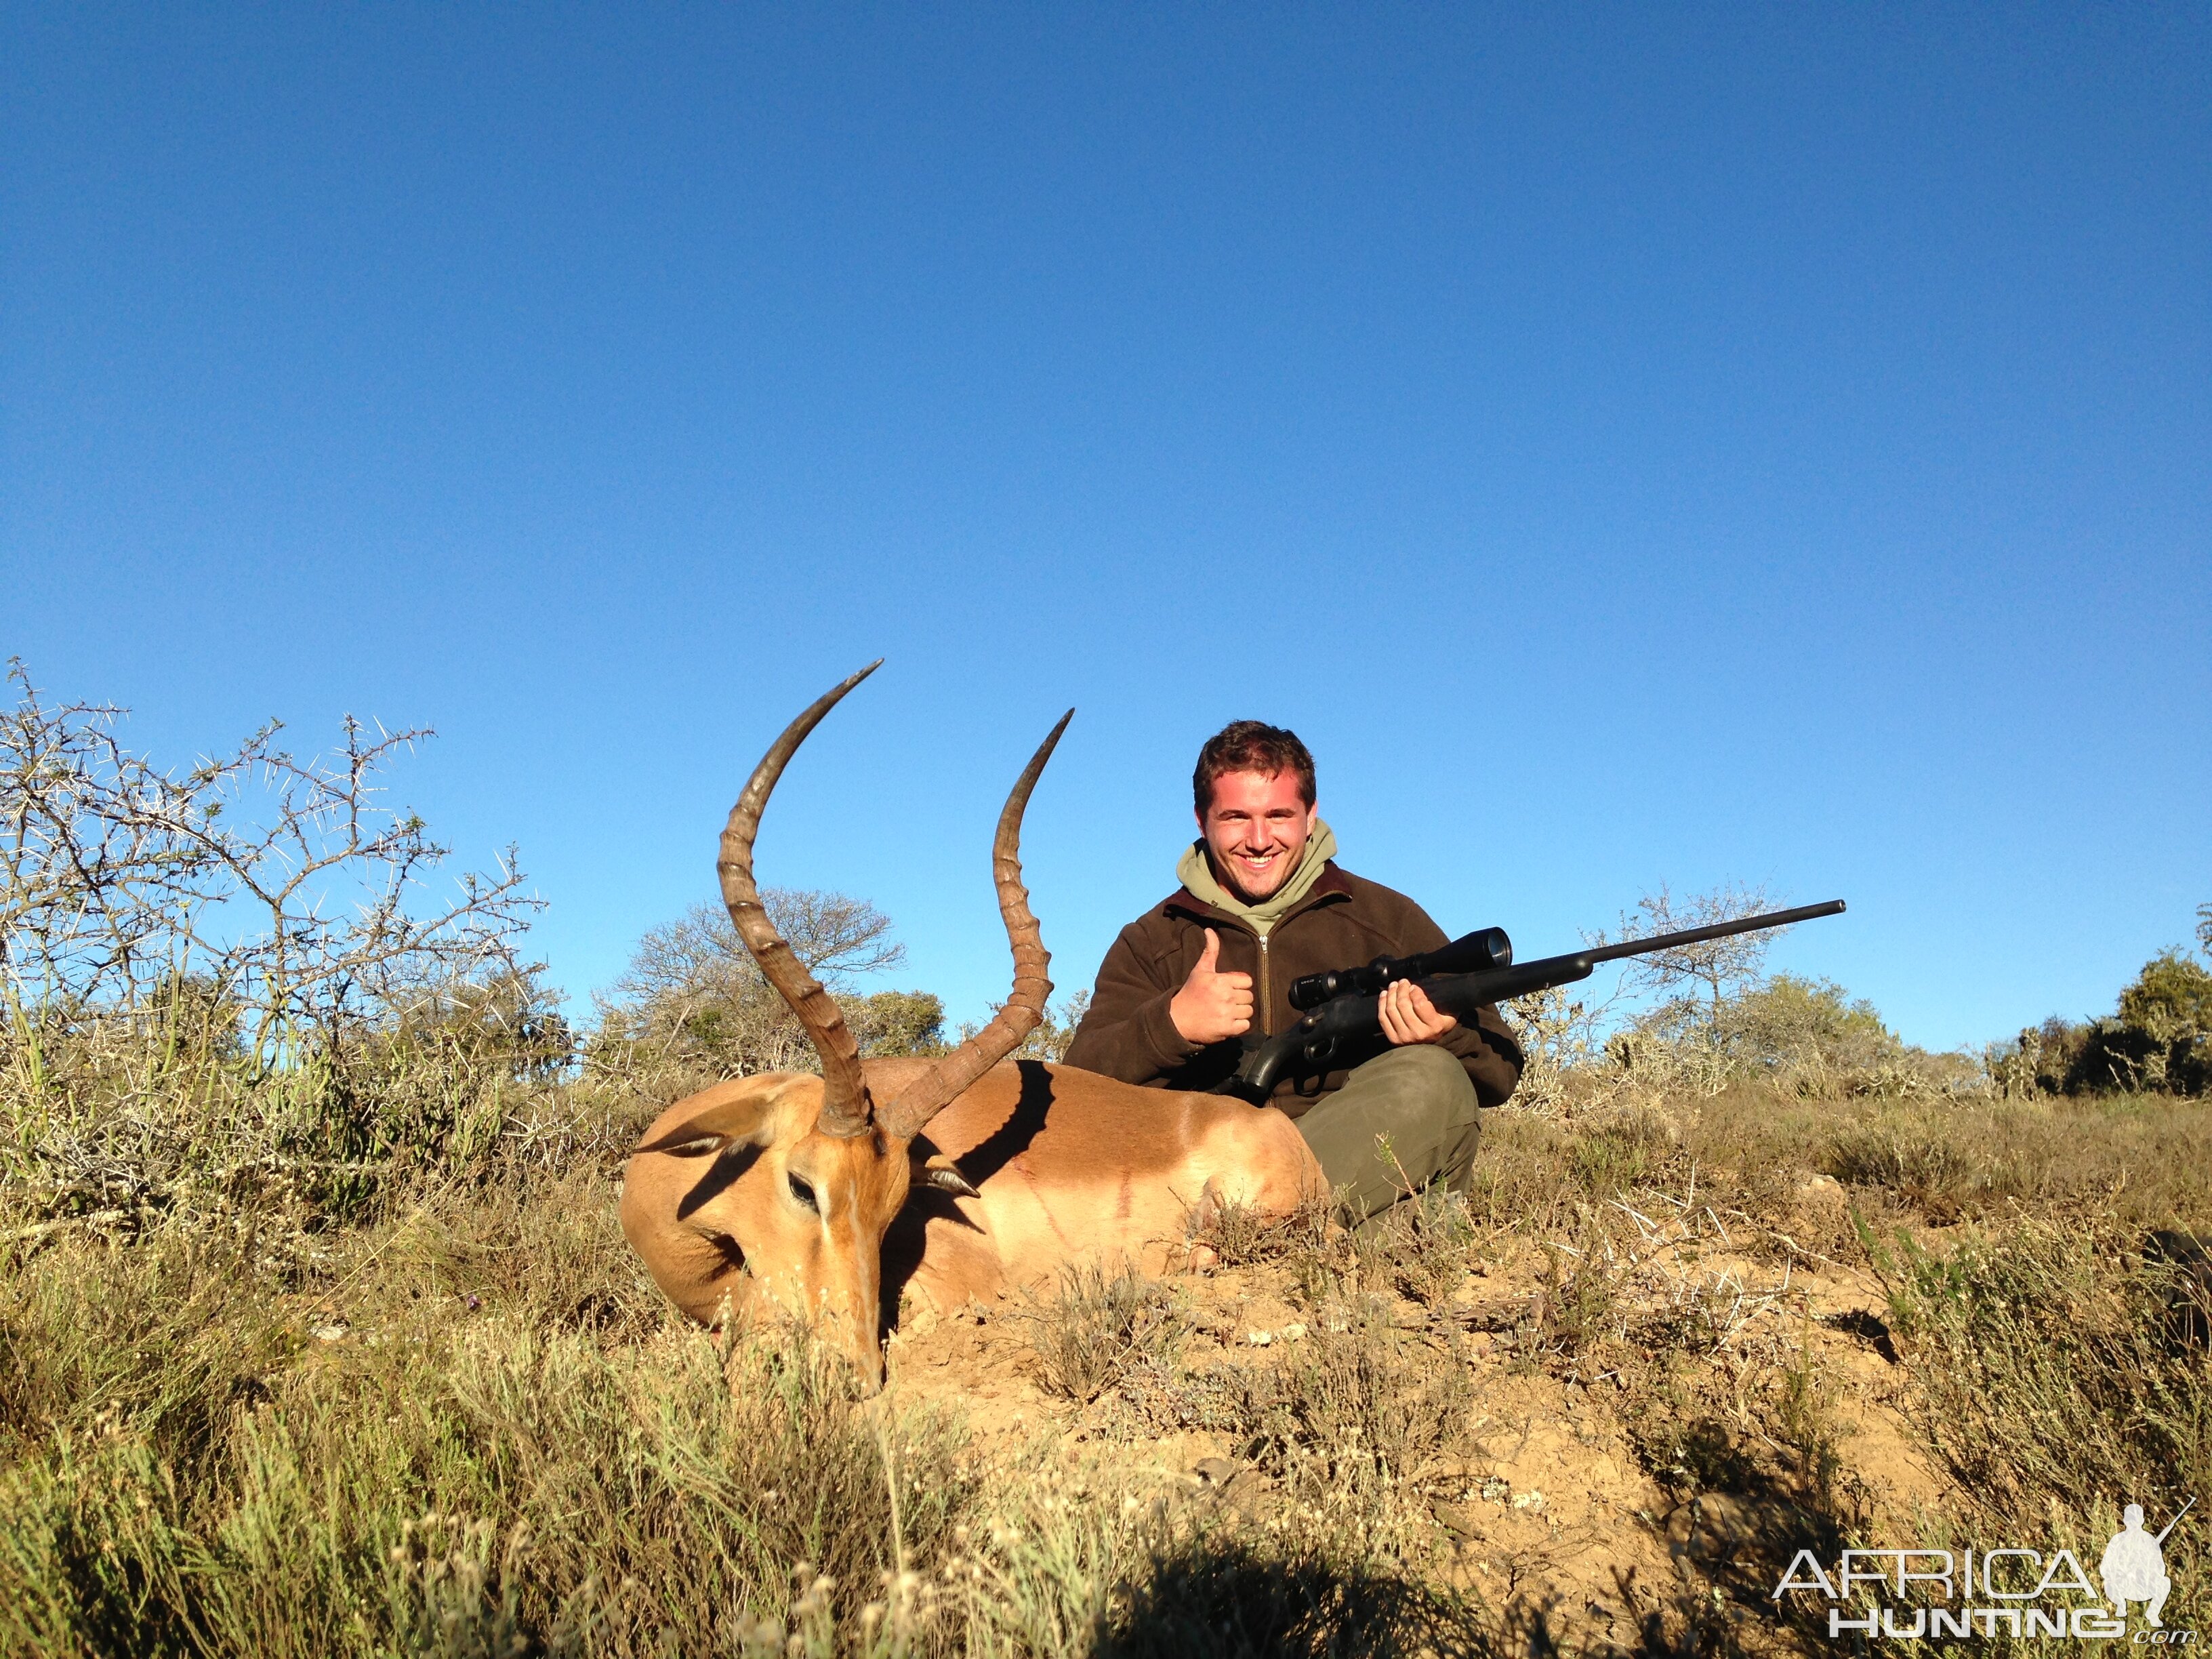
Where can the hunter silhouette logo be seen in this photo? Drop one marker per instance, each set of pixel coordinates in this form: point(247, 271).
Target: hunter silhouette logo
point(2133, 1565)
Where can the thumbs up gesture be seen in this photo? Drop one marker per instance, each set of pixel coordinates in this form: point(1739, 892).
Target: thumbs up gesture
point(1211, 1005)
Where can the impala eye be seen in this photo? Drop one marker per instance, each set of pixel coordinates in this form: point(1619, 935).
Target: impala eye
point(804, 1194)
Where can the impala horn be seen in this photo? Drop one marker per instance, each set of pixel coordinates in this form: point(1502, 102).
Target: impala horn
point(845, 1107)
point(929, 1094)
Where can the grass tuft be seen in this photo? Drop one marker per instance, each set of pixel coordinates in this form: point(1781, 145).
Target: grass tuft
point(1098, 1327)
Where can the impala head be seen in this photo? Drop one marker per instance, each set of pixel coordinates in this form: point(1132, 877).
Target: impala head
point(782, 1185)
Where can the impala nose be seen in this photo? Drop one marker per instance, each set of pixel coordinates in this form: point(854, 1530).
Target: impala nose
point(871, 1372)
point(856, 1331)
point(866, 1352)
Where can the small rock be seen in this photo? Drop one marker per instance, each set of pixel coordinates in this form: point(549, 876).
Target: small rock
point(1259, 1339)
point(1292, 1332)
point(1529, 1500)
point(329, 1333)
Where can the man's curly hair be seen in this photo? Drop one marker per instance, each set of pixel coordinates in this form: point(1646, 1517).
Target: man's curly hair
point(1250, 746)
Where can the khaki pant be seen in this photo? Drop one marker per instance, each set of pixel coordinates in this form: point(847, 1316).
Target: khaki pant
point(1420, 1101)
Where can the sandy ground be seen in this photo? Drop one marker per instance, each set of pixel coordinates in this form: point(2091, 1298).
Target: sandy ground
point(1550, 1510)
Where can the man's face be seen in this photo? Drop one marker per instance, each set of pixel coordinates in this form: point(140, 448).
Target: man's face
point(1255, 827)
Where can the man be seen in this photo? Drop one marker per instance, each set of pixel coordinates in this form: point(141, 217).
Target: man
point(1262, 904)
point(2134, 1568)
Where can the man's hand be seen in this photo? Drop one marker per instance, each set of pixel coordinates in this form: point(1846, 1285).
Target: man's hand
point(1212, 1006)
point(1409, 1017)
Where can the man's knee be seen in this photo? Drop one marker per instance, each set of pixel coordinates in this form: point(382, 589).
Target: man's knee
point(1426, 1077)
point(1431, 1103)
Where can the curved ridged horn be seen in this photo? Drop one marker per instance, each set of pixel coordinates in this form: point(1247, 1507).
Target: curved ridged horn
point(928, 1094)
point(845, 1107)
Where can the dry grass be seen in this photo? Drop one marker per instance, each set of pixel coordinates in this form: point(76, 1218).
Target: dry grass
point(2087, 1382)
point(1099, 1328)
point(442, 1411)
point(198, 1460)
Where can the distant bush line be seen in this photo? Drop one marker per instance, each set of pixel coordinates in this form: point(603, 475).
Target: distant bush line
point(243, 986)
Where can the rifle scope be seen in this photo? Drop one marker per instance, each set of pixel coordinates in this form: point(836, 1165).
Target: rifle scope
point(1478, 952)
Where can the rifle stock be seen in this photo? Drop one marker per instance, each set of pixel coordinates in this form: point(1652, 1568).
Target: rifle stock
point(1353, 1014)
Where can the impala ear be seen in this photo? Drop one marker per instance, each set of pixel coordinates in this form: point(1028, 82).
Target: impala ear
point(941, 1172)
point(745, 1122)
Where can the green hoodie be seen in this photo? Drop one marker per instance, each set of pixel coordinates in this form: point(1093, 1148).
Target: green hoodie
point(1197, 874)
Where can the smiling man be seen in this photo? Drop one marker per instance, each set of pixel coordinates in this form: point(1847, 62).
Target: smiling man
point(1262, 903)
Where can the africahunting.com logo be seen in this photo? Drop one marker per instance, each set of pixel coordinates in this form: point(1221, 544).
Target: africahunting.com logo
point(1912, 1593)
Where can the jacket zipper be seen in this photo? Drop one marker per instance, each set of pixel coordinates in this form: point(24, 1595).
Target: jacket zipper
point(1265, 1002)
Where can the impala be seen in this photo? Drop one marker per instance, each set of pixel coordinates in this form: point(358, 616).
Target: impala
point(960, 1178)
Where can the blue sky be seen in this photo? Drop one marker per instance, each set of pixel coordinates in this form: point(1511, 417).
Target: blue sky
point(1629, 444)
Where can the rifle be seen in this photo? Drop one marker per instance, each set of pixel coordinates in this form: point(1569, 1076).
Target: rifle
point(2176, 1521)
point(1459, 978)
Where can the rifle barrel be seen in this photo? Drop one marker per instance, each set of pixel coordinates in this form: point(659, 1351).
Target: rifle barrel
point(1638, 947)
point(2176, 1521)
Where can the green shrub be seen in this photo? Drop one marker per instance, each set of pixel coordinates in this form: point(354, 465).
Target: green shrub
point(1804, 1035)
point(2159, 1040)
point(1785, 1015)
point(898, 1023)
point(2162, 1037)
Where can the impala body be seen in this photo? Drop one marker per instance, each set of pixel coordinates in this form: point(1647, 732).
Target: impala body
point(960, 1177)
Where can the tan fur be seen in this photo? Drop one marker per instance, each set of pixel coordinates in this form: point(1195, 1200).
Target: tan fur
point(1067, 1167)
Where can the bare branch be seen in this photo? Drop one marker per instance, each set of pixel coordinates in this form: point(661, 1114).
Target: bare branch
point(287, 885)
point(1719, 964)
point(693, 988)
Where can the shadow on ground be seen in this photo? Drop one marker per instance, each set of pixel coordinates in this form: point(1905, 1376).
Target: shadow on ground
point(1226, 1597)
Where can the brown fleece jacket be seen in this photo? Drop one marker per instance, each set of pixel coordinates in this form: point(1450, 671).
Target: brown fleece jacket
point(1345, 922)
